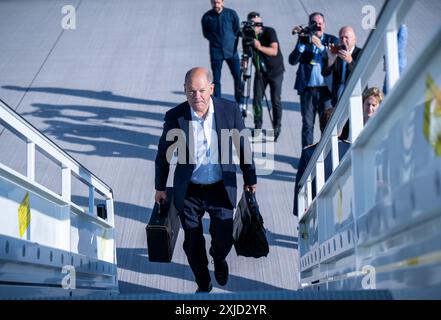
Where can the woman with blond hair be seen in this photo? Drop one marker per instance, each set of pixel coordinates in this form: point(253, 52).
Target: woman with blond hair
point(372, 98)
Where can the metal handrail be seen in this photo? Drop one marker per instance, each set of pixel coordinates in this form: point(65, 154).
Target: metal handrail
point(69, 165)
point(392, 14)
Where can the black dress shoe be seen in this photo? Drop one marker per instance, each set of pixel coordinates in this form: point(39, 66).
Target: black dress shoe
point(205, 290)
point(277, 131)
point(221, 272)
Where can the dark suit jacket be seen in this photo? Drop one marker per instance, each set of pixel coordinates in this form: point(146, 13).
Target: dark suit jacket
point(304, 58)
point(336, 69)
point(227, 116)
point(306, 155)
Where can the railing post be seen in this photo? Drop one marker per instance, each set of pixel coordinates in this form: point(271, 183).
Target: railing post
point(391, 53)
point(308, 191)
point(110, 211)
point(320, 173)
point(334, 149)
point(356, 112)
point(301, 206)
point(30, 160)
point(66, 177)
point(91, 200)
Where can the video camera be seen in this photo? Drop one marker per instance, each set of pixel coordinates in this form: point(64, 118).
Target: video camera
point(250, 57)
point(305, 33)
point(248, 35)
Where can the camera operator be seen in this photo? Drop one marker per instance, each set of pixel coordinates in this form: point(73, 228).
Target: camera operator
point(310, 52)
point(340, 62)
point(221, 26)
point(268, 61)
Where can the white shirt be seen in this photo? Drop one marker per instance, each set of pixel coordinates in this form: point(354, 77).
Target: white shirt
point(207, 169)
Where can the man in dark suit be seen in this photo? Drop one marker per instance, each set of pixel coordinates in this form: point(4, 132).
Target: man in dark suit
point(205, 177)
point(340, 62)
point(310, 52)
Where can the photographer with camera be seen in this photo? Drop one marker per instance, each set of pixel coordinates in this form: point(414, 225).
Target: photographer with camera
point(310, 52)
point(221, 27)
point(268, 61)
point(340, 62)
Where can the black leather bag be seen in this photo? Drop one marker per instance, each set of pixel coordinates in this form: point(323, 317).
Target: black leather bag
point(248, 231)
point(162, 230)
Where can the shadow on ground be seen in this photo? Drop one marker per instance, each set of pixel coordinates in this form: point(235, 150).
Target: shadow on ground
point(136, 259)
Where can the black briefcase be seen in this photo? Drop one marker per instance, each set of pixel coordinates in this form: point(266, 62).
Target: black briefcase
point(162, 230)
point(248, 231)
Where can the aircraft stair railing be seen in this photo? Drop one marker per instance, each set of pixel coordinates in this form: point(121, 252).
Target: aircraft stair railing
point(374, 223)
point(50, 246)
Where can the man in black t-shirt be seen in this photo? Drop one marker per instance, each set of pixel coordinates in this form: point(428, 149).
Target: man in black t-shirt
point(270, 72)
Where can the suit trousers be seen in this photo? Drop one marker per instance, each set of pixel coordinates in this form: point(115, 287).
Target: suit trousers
point(214, 200)
point(313, 100)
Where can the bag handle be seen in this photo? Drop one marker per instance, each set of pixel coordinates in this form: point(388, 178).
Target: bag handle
point(162, 207)
point(252, 202)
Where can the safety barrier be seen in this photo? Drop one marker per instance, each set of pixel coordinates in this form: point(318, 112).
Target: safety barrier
point(49, 245)
point(375, 222)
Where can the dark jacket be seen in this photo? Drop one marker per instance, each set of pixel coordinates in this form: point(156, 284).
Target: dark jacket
point(336, 69)
point(227, 116)
point(222, 31)
point(304, 58)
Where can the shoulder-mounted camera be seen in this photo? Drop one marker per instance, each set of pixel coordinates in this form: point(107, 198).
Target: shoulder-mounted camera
point(306, 32)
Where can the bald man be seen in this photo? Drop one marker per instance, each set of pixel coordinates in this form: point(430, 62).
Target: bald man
point(341, 61)
point(204, 179)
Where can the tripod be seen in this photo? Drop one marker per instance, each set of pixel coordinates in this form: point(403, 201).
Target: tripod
point(246, 69)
